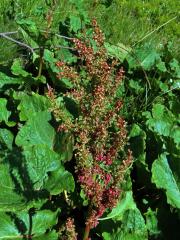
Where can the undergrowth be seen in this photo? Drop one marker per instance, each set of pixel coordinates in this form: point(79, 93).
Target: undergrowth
point(89, 126)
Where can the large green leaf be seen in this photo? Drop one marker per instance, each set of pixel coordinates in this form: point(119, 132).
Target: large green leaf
point(10, 197)
point(8, 229)
point(16, 184)
point(24, 174)
point(163, 122)
point(31, 104)
point(119, 51)
point(41, 221)
point(143, 57)
point(17, 68)
point(40, 160)
point(37, 130)
point(6, 80)
point(59, 181)
point(4, 113)
point(163, 177)
point(132, 228)
point(6, 138)
point(150, 60)
point(15, 226)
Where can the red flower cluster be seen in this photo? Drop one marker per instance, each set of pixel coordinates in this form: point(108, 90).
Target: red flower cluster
point(100, 131)
point(66, 71)
point(107, 160)
point(68, 231)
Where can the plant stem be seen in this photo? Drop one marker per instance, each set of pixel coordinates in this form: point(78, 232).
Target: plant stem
point(40, 62)
point(148, 34)
point(86, 233)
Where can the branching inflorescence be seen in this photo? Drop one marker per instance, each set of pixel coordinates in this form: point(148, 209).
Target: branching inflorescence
point(99, 130)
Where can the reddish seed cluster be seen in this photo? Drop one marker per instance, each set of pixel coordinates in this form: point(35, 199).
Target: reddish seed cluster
point(100, 131)
point(106, 159)
point(69, 232)
point(66, 72)
point(84, 51)
point(98, 35)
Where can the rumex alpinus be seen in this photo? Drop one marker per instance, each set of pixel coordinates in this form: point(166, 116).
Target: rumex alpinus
point(99, 130)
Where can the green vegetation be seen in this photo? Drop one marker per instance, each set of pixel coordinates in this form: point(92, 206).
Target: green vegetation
point(51, 69)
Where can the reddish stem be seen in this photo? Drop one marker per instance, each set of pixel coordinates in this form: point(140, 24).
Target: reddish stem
point(86, 233)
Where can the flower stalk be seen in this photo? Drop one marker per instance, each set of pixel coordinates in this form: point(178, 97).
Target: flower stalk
point(99, 130)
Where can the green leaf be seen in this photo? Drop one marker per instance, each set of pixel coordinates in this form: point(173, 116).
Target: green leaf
point(152, 222)
point(40, 161)
point(31, 104)
point(67, 56)
point(132, 227)
point(175, 134)
point(65, 82)
point(174, 64)
point(163, 86)
point(29, 26)
point(163, 177)
point(30, 42)
point(135, 86)
point(52, 68)
point(119, 51)
point(75, 23)
point(48, 236)
point(50, 61)
point(14, 226)
point(8, 229)
point(10, 198)
point(135, 131)
point(16, 187)
point(124, 204)
point(143, 57)
point(161, 66)
point(49, 56)
point(6, 80)
point(17, 68)
point(59, 181)
point(149, 61)
point(4, 113)
point(162, 120)
point(43, 220)
point(36, 130)
point(64, 144)
point(6, 138)
point(138, 137)
point(84, 199)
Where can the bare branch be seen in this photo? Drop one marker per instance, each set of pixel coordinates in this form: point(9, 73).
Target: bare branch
point(4, 35)
point(58, 35)
point(62, 36)
point(9, 33)
point(56, 47)
point(148, 34)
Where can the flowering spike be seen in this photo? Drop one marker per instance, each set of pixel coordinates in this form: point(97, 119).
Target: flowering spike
point(99, 130)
